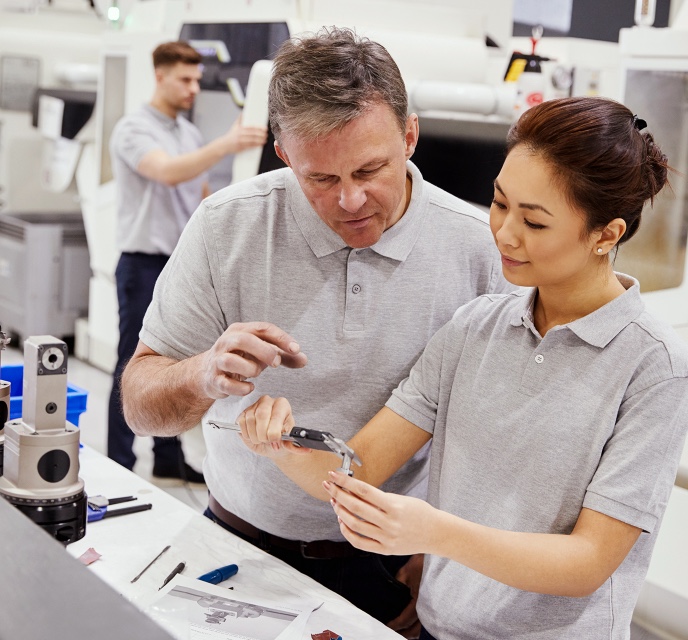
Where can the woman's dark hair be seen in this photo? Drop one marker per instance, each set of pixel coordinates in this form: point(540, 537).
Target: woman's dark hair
point(607, 167)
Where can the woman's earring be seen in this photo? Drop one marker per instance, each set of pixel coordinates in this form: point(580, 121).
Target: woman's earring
point(599, 249)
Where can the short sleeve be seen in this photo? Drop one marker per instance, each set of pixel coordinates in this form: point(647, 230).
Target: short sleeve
point(133, 141)
point(635, 475)
point(185, 317)
point(417, 397)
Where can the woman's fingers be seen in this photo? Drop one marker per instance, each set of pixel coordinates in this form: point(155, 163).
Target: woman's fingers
point(377, 521)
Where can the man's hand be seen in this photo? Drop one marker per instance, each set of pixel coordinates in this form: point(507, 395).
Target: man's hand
point(243, 351)
point(262, 425)
point(239, 138)
point(407, 623)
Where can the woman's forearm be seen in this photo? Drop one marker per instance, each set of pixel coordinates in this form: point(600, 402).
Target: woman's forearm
point(573, 565)
point(542, 563)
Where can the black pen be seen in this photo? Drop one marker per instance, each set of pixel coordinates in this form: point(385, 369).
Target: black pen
point(178, 569)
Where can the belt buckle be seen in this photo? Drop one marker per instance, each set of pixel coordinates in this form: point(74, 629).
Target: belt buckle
point(304, 551)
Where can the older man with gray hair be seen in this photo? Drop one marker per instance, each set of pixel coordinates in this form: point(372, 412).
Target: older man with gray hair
point(347, 256)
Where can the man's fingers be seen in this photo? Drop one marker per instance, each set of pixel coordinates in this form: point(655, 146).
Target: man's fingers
point(266, 420)
point(294, 360)
point(272, 418)
point(239, 365)
point(223, 386)
point(269, 333)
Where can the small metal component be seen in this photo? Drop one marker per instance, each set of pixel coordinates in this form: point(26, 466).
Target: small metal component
point(311, 439)
point(4, 340)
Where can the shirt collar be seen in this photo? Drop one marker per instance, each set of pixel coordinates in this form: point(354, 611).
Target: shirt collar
point(163, 118)
point(598, 328)
point(395, 243)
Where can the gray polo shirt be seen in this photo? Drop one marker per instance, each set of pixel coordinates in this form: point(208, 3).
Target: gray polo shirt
point(527, 431)
point(150, 214)
point(258, 251)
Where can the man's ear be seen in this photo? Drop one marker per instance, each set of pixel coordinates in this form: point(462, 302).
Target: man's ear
point(281, 154)
point(411, 134)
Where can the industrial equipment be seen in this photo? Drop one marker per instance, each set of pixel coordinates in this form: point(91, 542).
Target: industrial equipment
point(44, 272)
point(41, 457)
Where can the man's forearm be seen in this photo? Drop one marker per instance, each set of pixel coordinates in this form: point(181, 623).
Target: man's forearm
point(162, 396)
point(177, 169)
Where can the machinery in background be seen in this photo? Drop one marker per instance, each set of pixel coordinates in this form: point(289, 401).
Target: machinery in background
point(51, 48)
point(5, 393)
point(654, 84)
point(48, 72)
point(44, 273)
point(41, 454)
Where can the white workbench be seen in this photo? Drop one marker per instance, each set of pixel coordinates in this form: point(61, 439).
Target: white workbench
point(128, 543)
point(663, 602)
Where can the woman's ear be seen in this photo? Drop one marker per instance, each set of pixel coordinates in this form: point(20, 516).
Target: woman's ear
point(610, 236)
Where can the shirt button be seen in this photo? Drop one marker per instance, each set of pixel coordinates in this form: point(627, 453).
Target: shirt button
point(356, 288)
point(539, 358)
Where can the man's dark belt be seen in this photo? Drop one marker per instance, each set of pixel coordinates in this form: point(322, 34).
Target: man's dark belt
point(316, 549)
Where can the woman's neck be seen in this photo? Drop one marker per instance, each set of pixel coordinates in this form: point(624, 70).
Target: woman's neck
point(560, 304)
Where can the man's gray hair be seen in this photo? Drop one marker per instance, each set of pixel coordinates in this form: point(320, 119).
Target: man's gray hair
point(323, 81)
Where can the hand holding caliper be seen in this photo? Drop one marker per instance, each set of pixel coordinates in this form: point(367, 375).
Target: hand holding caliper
point(310, 439)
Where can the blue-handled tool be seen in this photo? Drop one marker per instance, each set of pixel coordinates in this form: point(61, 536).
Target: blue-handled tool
point(219, 575)
point(98, 513)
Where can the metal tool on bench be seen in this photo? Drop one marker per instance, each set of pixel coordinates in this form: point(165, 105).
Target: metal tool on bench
point(311, 439)
point(41, 458)
point(98, 507)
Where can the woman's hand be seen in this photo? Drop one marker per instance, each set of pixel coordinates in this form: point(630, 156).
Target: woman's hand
point(380, 522)
point(262, 425)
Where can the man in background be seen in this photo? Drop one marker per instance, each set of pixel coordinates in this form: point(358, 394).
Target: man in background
point(159, 163)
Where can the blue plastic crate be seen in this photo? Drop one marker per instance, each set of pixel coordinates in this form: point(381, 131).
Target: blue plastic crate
point(14, 374)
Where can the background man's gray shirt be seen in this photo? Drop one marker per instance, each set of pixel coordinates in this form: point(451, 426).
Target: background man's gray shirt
point(258, 251)
point(150, 214)
point(527, 431)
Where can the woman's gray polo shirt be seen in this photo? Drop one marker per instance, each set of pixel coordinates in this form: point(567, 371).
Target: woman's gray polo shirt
point(258, 251)
point(527, 431)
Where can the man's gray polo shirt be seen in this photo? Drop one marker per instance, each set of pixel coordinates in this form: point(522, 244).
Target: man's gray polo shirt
point(258, 251)
point(150, 214)
point(527, 431)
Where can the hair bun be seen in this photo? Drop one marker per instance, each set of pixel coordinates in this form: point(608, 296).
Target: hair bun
point(657, 165)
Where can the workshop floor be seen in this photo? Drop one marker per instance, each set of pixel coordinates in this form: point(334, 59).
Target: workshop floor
point(93, 426)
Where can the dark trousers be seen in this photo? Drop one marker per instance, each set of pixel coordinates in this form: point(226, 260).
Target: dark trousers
point(135, 275)
point(424, 635)
point(367, 581)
